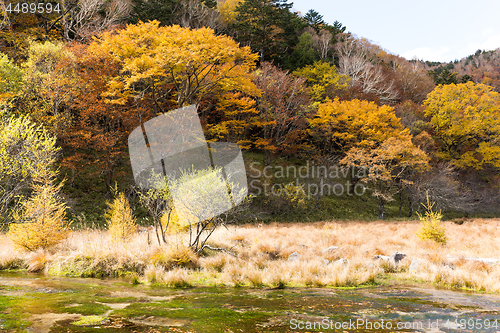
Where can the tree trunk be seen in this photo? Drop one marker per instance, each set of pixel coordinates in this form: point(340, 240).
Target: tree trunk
point(400, 189)
point(410, 206)
point(381, 208)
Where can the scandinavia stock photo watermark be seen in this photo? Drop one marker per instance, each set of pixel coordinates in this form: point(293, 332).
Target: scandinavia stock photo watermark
point(429, 325)
point(309, 180)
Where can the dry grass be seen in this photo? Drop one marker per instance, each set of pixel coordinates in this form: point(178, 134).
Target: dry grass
point(262, 256)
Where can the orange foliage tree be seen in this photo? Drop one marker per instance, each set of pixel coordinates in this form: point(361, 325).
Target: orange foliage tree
point(98, 133)
point(173, 66)
point(283, 108)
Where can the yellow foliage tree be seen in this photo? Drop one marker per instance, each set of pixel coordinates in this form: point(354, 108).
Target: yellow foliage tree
point(41, 222)
point(386, 166)
point(49, 86)
point(227, 10)
point(323, 80)
point(341, 125)
point(239, 116)
point(431, 227)
point(27, 153)
point(120, 218)
point(466, 120)
point(173, 66)
point(11, 79)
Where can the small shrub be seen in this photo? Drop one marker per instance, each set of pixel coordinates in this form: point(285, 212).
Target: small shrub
point(41, 222)
point(290, 197)
point(121, 219)
point(431, 225)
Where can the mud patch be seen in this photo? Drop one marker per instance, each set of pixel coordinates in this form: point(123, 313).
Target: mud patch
point(43, 322)
point(157, 321)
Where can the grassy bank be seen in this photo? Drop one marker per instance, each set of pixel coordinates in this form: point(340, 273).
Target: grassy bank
point(262, 252)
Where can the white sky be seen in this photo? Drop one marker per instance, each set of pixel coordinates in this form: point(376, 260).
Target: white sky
point(435, 30)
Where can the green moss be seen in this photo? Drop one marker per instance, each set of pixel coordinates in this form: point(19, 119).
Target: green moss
point(90, 321)
point(87, 308)
point(12, 319)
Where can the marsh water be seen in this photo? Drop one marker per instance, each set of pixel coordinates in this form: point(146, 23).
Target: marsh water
point(34, 303)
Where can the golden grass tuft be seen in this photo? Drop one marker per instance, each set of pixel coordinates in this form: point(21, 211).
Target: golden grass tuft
point(176, 278)
point(36, 261)
point(217, 263)
point(175, 255)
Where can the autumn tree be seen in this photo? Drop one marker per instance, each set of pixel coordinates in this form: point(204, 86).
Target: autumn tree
point(11, 79)
point(283, 107)
point(339, 126)
point(466, 121)
point(238, 118)
point(40, 222)
point(120, 218)
point(173, 66)
point(18, 29)
point(323, 80)
point(227, 10)
point(97, 136)
point(27, 153)
point(49, 81)
point(387, 166)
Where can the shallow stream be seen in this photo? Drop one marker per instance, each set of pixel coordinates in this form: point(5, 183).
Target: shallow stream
point(34, 303)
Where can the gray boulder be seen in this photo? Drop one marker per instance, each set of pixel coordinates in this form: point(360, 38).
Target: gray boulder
point(341, 261)
point(330, 249)
point(415, 264)
point(379, 256)
point(294, 256)
point(397, 257)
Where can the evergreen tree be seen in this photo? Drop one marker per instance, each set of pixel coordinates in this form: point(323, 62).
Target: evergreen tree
point(314, 19)
point(148, 10)
point(269, 28)
point(305, 52)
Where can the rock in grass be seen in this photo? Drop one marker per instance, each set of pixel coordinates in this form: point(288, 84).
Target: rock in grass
point(378, 256)
point(294, 256)
point(330, 249)
point(415, 264)
point(397, 257)
point(341, 261)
